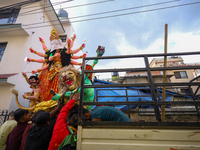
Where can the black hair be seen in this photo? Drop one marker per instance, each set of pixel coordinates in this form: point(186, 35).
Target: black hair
point(85, 111)
point(74, 122)
point(36, 114)
point(42, 118)
point(33, 77)
point(72, 111)
point(19, 113)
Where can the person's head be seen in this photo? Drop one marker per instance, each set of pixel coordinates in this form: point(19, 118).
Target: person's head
point(42, 119)
point(86, 114)
point(73, 121)
point(22, 115)
point(36, 114)
point(73, 111)
point(34, 81)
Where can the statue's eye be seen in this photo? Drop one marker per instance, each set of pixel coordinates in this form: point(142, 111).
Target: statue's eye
point(70, 73)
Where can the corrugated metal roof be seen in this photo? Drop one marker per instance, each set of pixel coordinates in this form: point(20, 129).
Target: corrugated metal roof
point(3, 76)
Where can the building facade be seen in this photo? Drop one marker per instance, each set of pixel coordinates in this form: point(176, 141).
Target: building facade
point(21, 25)
point(178, 76)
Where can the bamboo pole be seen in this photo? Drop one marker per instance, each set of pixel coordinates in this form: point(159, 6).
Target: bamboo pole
point(164, 74)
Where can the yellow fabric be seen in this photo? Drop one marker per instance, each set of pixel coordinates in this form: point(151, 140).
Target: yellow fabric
point(45, 105)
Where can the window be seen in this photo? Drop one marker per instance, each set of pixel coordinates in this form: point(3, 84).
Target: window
point(9, 15)
point(180, 75)
point(63, 38)
point(2, 49)
point(186, 91)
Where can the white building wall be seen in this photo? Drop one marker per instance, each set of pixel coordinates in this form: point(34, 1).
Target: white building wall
point(18, 48)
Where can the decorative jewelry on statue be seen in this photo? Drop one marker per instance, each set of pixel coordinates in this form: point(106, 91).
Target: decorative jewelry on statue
point(61, 95)
point(80, 56)
point(25, 77)
point(46, 60)
point(72, 39)
point(36, 94)
point(35, 52)
point(80, 48)
point(33, 60)
point(39, 70)
point(26, 97)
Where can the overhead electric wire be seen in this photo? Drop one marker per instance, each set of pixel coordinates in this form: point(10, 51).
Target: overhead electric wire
point(108, 12)
point(27, 13)
point(118, 15)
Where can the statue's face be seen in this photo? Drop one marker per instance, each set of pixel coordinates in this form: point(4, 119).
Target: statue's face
point(33, 82)
point(69, 80)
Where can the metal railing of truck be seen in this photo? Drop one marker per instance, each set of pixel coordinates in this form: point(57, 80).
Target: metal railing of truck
point(156, 103)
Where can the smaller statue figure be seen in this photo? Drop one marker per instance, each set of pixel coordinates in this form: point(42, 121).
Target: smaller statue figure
point(33, 96)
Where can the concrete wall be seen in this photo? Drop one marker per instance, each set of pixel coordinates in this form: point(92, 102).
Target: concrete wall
point(6, 96)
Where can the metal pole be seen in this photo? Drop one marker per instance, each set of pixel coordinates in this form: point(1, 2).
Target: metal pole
point(164, 74)
point(81, 92)
point(152, 88)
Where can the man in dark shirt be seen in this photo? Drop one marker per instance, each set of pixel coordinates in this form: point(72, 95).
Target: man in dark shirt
point(40, 134)
point(14, 138)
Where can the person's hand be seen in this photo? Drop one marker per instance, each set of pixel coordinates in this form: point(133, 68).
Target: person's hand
point(71, 95)
point(76, 96)
point(59, 105)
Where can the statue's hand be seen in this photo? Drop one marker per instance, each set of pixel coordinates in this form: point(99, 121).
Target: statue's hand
point(31, 50)
point(41, 40)
point(84, 55)
point(56, 97)
point(57, 54)
point(28, 59)
point(83, 45)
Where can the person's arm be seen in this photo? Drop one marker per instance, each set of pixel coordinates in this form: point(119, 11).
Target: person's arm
point(96, 119)
point(53, 112)
point(65, 110)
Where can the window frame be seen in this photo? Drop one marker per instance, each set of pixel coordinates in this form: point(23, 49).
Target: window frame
point(2, 50)
point(177, 75)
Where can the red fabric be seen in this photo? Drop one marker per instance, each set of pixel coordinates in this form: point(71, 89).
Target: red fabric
point(60, 130)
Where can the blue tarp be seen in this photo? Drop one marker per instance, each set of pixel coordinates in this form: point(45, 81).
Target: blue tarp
point(122, 92)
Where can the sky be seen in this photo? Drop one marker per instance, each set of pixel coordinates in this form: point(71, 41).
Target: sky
point(140, 30)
